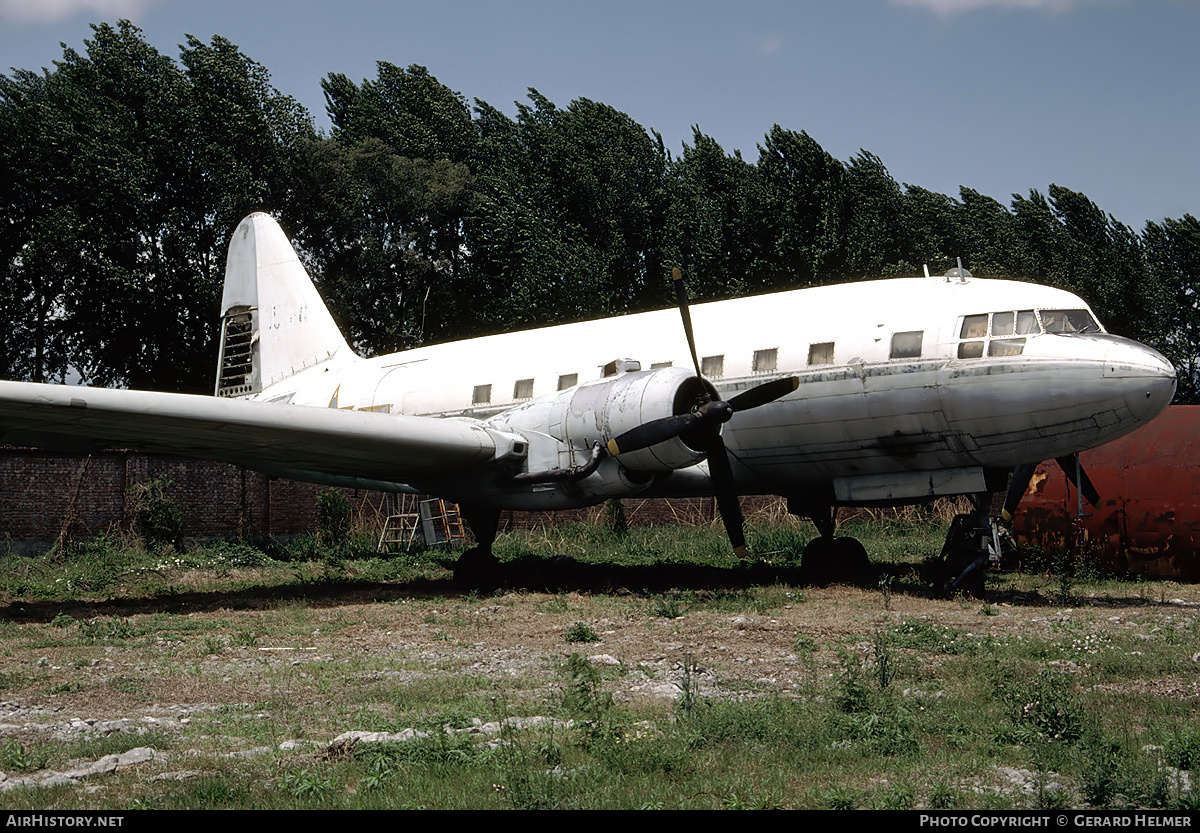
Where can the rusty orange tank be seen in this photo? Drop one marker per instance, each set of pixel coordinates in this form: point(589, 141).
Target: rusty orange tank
point(1148, 522)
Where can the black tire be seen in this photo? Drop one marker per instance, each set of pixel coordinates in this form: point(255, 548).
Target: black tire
point(828, 560)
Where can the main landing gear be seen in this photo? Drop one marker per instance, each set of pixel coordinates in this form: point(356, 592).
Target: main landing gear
point(478, 568)
point(974, 543)
point(826, 559)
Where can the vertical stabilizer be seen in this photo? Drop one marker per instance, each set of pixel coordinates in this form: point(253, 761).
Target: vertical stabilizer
point(273, 322)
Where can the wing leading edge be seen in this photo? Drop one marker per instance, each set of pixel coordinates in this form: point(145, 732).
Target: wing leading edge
point(291, 440)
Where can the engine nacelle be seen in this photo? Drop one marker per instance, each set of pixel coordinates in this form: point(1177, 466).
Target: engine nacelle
point(601, 410)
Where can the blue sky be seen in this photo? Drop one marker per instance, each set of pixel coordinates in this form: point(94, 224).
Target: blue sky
point(1003, 96)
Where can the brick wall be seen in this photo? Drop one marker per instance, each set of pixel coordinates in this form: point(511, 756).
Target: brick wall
point(38, 488)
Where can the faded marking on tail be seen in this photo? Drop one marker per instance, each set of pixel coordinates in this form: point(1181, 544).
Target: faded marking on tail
point(273, 322)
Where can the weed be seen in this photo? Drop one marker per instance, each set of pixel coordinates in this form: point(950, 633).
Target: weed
point(582, 632)
point(305, 785)
point(157, 518)
point(1043, 710)
point(244, 638)
point(884, 670)
point(1182, 749)
point(943, 797)
point(873, 718)
point(106, 630)
point(666, 607)
point(686, 701)
point(615, 520)
point(840, 798)
point(897, 797)
point(804, 645)
point(19, 757)
point(333, 518)
point(885, 587)
point(925, 636)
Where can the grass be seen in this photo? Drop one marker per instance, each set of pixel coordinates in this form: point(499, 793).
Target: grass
point(240, 666)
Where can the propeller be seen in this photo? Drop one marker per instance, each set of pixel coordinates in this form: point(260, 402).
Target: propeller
point(700, 428)
point(1023, 474)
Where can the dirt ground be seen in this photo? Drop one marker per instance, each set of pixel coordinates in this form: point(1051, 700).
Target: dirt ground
point(116, 660)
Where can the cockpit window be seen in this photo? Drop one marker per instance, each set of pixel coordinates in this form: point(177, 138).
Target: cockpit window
point(1004, 323)
point(974, 326)
point(1069, 321)
point(993, 333)
point(1006, 347)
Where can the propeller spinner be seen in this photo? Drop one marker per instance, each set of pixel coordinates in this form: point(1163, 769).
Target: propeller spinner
point(700, 428)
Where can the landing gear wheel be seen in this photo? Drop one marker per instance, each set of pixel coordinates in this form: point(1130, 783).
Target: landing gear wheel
point(964, 560)
point(477, 569)
point(827, 560)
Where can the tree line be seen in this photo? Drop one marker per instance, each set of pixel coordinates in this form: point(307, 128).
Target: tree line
point(427, 218)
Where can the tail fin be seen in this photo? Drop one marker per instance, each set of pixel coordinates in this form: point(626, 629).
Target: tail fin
point(273, 322)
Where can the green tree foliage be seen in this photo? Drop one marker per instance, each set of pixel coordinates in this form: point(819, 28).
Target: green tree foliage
point(570, 215)
point(409, 109)
point(709, 230)
point(383, 232)
point(874, 218)
point(929, 220)
point(802, 209)
point(128, 174)
point(381, 206)
point(1173, 259)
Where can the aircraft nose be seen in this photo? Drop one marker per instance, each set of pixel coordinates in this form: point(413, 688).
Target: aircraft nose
point(1147, 378)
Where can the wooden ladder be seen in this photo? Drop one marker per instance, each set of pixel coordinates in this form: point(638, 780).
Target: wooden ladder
point(401, 523)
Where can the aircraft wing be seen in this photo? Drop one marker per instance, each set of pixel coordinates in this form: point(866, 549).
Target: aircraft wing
point(278, 438)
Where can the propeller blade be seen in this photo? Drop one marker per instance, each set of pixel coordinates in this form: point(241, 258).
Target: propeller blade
point(661, 430)
point(682, 299)
point(1072, 467)
point(764, 393)
point(728, 503)
point(1022, 475)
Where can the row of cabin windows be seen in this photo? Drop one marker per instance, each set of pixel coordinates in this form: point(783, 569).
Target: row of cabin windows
point(996, 333)
point(522, 389)
point(904, 346)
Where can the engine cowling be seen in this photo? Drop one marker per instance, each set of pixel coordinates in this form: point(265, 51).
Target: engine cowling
point(598, 411)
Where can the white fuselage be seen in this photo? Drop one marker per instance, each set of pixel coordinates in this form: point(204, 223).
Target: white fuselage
point(907, 387)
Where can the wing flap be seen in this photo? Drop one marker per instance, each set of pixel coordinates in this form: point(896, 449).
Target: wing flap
point(257, 435)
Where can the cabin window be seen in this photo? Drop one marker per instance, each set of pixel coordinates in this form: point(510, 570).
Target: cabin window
point(523, 389)
point(482, 395)
point(765, 361)
point(974, 326)
point(661, 365)
point(820, 353)
point(712, 366)
point(907, 345)
point(568, 380)
point(1006, 347)
point(1027, 323)
point(970, 350)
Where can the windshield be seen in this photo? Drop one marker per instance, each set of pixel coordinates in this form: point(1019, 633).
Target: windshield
point(1068, 321)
